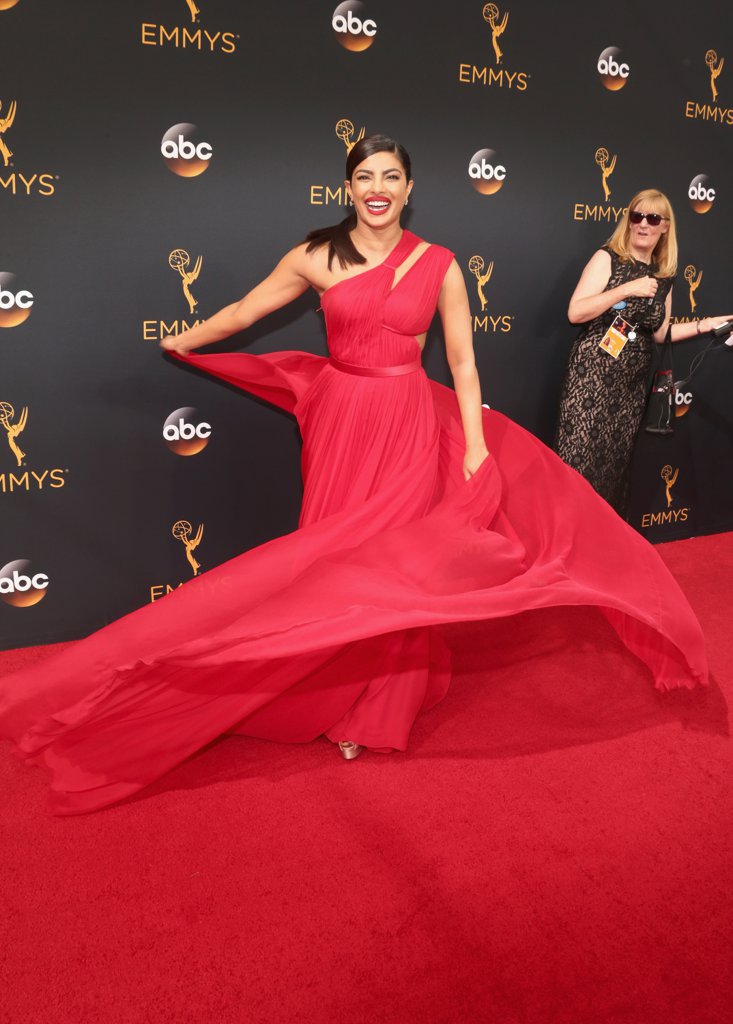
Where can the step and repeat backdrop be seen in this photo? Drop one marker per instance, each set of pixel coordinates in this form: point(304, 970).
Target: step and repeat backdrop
point(157, 157)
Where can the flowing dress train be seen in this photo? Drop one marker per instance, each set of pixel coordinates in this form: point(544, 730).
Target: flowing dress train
point(336, 628)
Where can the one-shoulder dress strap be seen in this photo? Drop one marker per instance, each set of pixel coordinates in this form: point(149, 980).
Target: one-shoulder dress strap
point(406, 245)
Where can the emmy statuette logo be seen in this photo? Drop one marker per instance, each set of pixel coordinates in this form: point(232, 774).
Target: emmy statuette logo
point(13, 181)
point(182, 531)
point(693, 282)
point(345, 131)
point(613, 71)
point(352, 26)
point(326, 195)
point(606, 168)
point(20, 585)
point(716, 66)
point(492, 72)
point(486, 173)
point(498, 25)
point(190, 35)
point(483, 276)
point(669, 476)
point(15, 303)
point(487, 322)
point(701, 193)
point(193, 9)
point(180, 261)
point(184, 150)
point(185, 433)
point(13, 430)
point(711, 111)
point(6, 123)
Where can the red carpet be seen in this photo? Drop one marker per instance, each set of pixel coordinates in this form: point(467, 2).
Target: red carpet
point(553, 849)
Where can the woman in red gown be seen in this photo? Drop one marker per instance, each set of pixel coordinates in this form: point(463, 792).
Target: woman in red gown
point(407, 524)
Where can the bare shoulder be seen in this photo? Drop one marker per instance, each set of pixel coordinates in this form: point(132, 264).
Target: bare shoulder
point(600, 260)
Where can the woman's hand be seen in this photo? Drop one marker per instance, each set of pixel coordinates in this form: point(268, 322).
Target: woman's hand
point(642, 287)
point(473, 459)
point(174, 343)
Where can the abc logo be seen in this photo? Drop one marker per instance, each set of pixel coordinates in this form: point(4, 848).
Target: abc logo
point(486, 173)
point(682, 401)
point(701, 194)
point(184, 150)
point(15, 304)
point(183, 434)
point(353, 30)
point(612, 70)
point(20, 586)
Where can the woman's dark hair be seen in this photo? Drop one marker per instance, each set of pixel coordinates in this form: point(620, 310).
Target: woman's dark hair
point(337, 236)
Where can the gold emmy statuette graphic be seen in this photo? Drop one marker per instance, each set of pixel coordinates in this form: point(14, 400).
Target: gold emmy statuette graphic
point(7, 413)
point(711, 58)
point(345, 132)
point(690, 272)
point(193, 9)
point(606, 169)
point(182, 531)
point(670, 478)
point(179, 260)
point(476, 266)
point(5, 123)
point(491, 14)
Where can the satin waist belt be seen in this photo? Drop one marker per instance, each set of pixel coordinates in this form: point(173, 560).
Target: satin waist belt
point(376, 371)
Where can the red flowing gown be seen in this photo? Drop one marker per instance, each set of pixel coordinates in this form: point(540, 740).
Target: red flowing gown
point(336, 628)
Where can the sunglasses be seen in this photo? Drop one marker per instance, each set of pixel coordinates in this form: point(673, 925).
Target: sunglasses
point(652, 219)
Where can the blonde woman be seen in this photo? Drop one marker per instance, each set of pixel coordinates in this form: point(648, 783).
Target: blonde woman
point(623, 300)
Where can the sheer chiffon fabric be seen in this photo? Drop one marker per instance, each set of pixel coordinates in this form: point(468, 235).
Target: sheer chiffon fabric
point(335, 629)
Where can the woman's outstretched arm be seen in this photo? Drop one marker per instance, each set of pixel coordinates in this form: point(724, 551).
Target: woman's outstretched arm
point(283, 285)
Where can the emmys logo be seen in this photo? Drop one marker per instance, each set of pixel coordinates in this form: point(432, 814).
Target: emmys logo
point(352, 28)
point(694, 284)
point(179, 260)
point(183, 37)
point(182, 531)
point(20, 586)
point(25, 480)
point(701, 194)
point(183, 434)
point(18, 182)
point(486, 173)
point(612, 71)
point(711, 111)
point(184, 151)
point(601, 211)
point(323, 195)
point(470, 74)
point(15, 303)
point(489, 322)
point(671, 515)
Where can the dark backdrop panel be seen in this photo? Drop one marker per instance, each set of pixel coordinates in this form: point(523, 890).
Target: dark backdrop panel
point(91, 214)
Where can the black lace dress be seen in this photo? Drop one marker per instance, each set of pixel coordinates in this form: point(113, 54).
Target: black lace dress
point(603, 398)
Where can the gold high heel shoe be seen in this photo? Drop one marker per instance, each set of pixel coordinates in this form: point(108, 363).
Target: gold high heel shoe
point(349, 750)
